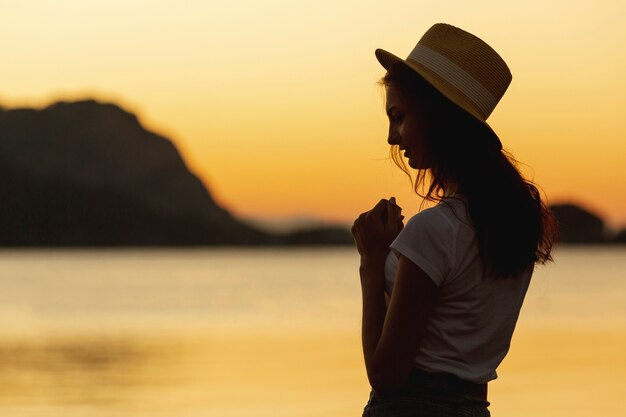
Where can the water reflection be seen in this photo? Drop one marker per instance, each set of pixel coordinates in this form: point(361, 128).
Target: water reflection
point(234, 373)
point(75, 370)
point(277, 373)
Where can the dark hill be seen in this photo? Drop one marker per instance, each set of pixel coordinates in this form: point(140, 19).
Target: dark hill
point(86, 173)
point(577, 225)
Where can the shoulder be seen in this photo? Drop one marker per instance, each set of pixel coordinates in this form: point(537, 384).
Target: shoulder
point(445, 218)
point(429, 240)
point(436, 238)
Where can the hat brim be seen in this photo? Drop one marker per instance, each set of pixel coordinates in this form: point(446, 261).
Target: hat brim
point(387, 60)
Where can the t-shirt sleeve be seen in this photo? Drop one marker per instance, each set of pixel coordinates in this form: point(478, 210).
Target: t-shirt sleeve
point(428, 240)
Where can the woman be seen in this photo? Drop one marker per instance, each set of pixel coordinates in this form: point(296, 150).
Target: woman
point(441, 295)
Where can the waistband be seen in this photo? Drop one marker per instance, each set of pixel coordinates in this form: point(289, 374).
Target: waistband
point(449, 385)
point(451, 381)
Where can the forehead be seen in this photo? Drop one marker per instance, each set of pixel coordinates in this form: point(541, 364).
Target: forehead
point(394, 96)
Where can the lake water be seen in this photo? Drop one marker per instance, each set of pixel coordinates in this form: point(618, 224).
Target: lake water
point(216, 332)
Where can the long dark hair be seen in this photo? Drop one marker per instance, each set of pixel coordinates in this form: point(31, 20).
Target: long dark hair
point(514, 228)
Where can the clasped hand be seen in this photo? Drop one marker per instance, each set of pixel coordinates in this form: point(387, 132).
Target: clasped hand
point(374, 230)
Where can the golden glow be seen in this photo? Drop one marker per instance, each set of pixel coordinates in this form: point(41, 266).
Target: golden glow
point(275, 104)
point(312, 372)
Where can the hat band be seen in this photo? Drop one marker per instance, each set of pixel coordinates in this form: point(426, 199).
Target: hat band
point(456, 76)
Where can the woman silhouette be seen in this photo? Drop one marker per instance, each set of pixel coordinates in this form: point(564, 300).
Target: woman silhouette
point(442, 294)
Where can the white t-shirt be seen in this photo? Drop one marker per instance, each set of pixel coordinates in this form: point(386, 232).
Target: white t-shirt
point(472, 322)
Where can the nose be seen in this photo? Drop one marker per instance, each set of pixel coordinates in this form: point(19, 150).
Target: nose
point(393, 138)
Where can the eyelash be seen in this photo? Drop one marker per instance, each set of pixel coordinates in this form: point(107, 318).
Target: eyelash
point(395, 117)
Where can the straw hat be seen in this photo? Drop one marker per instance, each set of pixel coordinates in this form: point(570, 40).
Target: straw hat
point(460, 66)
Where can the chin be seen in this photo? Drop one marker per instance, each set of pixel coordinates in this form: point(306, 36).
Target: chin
point(415, 165)
point(418, 163)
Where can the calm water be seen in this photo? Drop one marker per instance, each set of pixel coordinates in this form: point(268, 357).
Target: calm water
point(209, 332)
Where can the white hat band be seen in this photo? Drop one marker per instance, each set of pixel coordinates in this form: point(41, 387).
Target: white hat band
point(456, 76)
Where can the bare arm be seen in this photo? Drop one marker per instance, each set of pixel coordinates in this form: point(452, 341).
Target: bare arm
point(390, 335)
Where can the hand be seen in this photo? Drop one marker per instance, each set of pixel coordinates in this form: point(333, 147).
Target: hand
point(374, 230)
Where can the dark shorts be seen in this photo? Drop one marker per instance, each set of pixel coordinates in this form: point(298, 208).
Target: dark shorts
point(430, 395)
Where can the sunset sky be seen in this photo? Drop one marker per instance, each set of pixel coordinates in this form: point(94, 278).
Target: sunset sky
point(275, 104)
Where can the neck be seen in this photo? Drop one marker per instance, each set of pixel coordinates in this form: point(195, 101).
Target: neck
point(449, 189)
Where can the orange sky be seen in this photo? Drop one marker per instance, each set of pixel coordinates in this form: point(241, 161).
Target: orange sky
point(275, 103)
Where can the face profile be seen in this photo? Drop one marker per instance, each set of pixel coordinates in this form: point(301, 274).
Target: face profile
point(407, 127)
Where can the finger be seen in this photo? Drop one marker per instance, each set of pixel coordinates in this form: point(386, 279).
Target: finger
point(394, 203)
point(380, 206)
point(358, 246)
point(397, 210)
point(357, 226)
point(400, 226)
point(379, 212)
point(356, 238)
point(394, 210)
point(389, 215)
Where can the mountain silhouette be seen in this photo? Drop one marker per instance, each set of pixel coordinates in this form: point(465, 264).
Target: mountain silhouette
point(576, 225)
point(579, 226)
point(89, 174)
